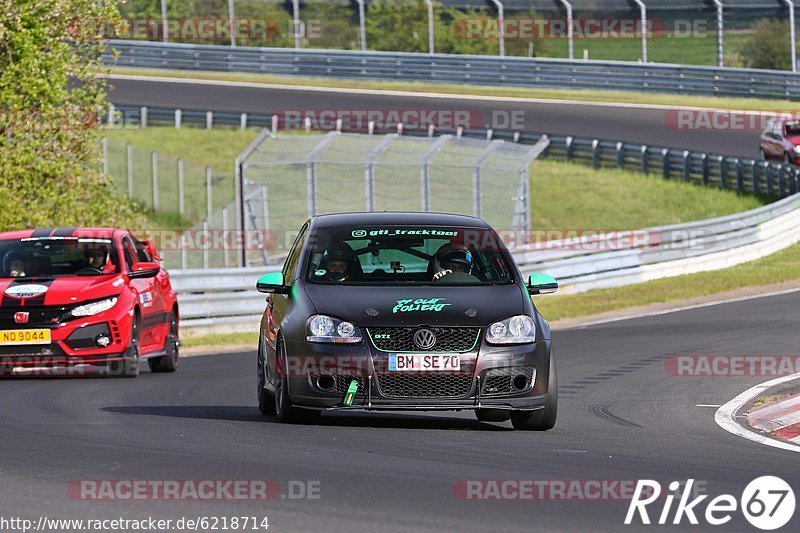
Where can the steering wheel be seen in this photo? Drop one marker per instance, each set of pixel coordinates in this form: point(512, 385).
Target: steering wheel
point(89, 270)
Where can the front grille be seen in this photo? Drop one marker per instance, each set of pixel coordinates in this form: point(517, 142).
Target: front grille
point(39, 316)
point(32, 350)
point(343, 382)
point(434, 385)
point(402, 339)
point(501, 380)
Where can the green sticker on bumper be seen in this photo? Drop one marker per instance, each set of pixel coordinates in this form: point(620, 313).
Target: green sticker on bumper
point(351, 393)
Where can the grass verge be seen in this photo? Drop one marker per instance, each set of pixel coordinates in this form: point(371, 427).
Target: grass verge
point(778, 267)
point(623, 97)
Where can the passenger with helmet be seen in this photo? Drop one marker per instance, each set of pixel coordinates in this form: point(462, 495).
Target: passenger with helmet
point(340, 263)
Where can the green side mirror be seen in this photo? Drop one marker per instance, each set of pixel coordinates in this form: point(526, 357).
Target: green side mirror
point(542, 284)
point(272, 282)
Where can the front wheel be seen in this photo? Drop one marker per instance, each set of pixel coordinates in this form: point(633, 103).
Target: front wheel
point(285, 411)
point(168, 362)
point(128, 366)
point(266, 403)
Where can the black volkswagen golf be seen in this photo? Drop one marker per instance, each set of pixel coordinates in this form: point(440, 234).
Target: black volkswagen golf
point(405, 311)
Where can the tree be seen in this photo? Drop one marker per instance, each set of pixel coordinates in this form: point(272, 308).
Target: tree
point(769, 46)
point(50, 100)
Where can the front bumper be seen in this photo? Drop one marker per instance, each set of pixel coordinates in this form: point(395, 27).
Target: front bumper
point(486, 379)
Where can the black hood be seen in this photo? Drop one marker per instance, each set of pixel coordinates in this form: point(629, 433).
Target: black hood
point(375, 305)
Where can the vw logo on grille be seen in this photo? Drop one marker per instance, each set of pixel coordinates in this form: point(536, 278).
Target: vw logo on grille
point(424, 339)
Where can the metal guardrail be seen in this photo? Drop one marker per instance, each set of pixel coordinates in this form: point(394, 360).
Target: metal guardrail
point(477, 70)
point(225, 299)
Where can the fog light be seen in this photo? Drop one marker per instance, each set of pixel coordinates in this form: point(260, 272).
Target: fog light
point(102, 340)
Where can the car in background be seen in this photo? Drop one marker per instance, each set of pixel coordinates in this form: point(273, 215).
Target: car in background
point(781, 140)
point(405, 311)
point(84, 299)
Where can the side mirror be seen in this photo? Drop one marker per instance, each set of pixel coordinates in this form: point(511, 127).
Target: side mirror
point(272, 282)
point(542, 284)
point(144, 270)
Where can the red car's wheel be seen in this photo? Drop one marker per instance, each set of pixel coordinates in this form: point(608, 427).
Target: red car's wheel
point(168, 362)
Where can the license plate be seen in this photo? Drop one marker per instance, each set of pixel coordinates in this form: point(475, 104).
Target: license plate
point(11, 337)
point(423, 362)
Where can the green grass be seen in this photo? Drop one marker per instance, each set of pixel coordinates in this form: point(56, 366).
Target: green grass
point(778, 267)
point(219, 339)
point(564, 195)
point(625, 97)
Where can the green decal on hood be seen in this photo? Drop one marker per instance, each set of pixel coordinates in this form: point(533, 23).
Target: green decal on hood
point(420, 304)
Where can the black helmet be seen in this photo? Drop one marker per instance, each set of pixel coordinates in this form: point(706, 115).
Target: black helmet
point(341, 251)
point(462, 258)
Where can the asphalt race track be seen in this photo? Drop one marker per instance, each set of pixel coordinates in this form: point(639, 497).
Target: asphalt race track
point(622, 417)
point(651, 126)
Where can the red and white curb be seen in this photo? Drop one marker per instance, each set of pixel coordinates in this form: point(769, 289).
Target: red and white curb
point(778, 417)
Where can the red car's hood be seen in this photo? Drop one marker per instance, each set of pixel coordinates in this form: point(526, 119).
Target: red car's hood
point(62, 290)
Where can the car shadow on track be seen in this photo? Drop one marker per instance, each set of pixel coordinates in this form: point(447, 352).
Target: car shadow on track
point(356, 419)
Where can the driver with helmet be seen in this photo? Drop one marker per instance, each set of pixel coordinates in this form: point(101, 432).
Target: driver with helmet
point(452, 259)
point(339, 263)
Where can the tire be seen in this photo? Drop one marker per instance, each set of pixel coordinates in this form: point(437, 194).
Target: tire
point(542, 419)
point(492, 415)
point(168, 362)
point(284, 410)
point(128, 367)
point(266, 401)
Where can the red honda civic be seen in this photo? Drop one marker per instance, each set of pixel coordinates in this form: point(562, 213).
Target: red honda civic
point(84, 299)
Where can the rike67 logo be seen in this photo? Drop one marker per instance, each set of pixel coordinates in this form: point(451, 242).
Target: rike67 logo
point(767, 502)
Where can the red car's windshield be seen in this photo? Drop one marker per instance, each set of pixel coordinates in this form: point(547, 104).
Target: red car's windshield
point(57, 256)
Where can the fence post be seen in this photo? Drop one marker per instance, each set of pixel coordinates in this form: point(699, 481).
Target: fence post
point(620, 155)
point(723, 172)
point(782, 181)
point(178, 118)
point(181, 197)
point(311, 188)
point(687, 168)
point(665, 167)
point(184, 252)
point(770, 176)
point(704, 160)
point(111, 112)
point(154, 167)
point(275, 124)
point(596, 153)
point(224, 237)
point(209, 120)
point(243, 121)
point(739, 174)
point(756, 177)
point(143, 117)
point(207, 240)
point(209, 198)
point(129, 157)
point(645, 162)
point(105, 156)
point(568, 148)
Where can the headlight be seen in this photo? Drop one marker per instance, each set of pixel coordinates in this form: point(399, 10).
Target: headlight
point(797, 149)
point(321, 328)
point(518, 329)
point(94, 307)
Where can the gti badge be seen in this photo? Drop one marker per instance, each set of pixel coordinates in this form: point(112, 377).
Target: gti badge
point(29, 290)
point(21, 317)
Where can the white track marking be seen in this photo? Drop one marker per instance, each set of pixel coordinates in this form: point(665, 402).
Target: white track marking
point(725, 417)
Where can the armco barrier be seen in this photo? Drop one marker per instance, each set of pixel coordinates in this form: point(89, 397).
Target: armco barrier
point(226, 299)
point(477, 70)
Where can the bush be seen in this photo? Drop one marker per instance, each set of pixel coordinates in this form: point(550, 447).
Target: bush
point(769, 47)
point(50, 98)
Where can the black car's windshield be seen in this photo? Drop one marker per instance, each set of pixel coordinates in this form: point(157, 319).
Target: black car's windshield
point(407, 255)
point(57, 256)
